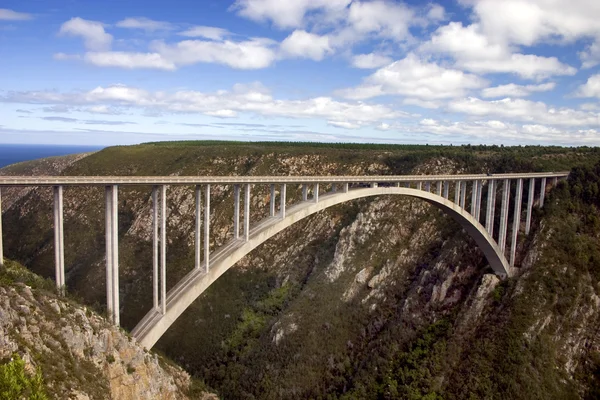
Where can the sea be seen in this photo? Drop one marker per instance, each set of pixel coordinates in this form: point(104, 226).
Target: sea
point(14, 153)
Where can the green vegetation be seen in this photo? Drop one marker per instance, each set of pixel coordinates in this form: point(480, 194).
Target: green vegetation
point(16, 383)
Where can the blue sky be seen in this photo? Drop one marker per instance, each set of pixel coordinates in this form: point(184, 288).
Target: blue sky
point(467, 71)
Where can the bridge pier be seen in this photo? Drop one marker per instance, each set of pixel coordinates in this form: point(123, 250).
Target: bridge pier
point(112, 253)
point(304, 192)
point(427, 186)
point(272, 204)
point(446, 189)
point(155, 223)
point(516, 222)
point(207, 227)
point(236, 211)
point(246, 214)
point(345, 188)
point(419, 185)
point(529, 205)
point(316, 193)
point(282, 201)
point(542, 192)
point(457, 192)
point(504, 215)
point(491, 203)
point(197, 259)
point(474, 198)
point(463, 194)
point(478, 206)
point(59, 240)
point(163, 249)
point(439, 188)
point(1, 242)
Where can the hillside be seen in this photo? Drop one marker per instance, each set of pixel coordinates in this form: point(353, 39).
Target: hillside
point(376, 298)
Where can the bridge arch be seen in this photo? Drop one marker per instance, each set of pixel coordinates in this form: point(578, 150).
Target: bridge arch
point(180, 297)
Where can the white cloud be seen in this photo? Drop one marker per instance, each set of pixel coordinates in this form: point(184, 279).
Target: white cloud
point(370, 61)
point(92, 32)
point(591, 88)
point(128, 60)
point(145, 24)
point(414, 78)
point(525, 110)
point(387, 19)
point(344, 124)
point(306, 45)
point(10, 15)
point(590, 57)
point(514, 90)
point(436, 12)
point(286, 14)
point(207, 32)
point(253, 99)
point(249, 54)
point(475, 52)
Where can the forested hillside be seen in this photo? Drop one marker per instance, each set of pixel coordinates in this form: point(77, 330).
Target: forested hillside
point(376, 298)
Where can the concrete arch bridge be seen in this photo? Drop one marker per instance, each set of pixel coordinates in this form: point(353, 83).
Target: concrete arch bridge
point(209, 266)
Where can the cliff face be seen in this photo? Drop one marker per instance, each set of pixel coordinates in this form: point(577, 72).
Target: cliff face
point(382, 297)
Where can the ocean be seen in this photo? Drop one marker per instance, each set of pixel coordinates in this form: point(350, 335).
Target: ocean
point(13, 153)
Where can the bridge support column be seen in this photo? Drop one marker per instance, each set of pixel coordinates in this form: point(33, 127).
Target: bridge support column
point(428, 186)
point(112, 253)
point(491, 204)
point(272, 209)
point(516, 222)
point(478, 206)
point(282, 201)
point(163, 249)
point(236, 211)
point(542, 192)
point(457, 192)
point(316, 193)
point(59, 242)
point(207, 228)
point(504, 215)
point(373, 184)
point(1, 243)
point(554, 181)
point(446, 189)
point(197, 247)
point(474, 198)
point(419, 185)
point(530, 198)
point(333, 188)
point(304, 192)
point(345, 187)
point(247, 213)
point(439, 188)
point(155, 247)
point(463, 194)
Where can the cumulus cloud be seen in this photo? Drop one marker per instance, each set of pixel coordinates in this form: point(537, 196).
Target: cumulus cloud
point(128, 60)
point(411, 77)
point(514, 90)
point(474, 51)
point(305, 45)
point(92, 32)
point(253, 99)
point(207, 32)
point(370, 61)
point(10, 15)
point(591, 88)
point(145, 24)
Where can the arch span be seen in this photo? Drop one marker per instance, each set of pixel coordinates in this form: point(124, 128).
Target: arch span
point(179, 298)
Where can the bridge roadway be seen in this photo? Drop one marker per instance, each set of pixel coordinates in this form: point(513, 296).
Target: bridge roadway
point(228, 180)
point(168, 307)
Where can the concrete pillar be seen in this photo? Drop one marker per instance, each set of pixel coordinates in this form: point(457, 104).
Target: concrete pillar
point(463, 194)
point(304, 192)
point(282, 201)
point(474, 197)
point(163, 249)
point(542, 192)
point(155, 223)
point(345, 187)
point(554, 181)
point(373, 184)
point(333, 188)
point(491, 203)
point(206, 228)
point(457, 192)
point(478, 206)
point(446, 189)
point(109, 248)
point(197, 235)
point(316, 193)
point(247, 213)
point(504, 215)
point(1, 243)
point(428, 186)
point(59, 243)
point(439, 188)
point(530, 198)
point(419, 185)
point(236, 211)
point(115, 252)
point(516, 221)
point(397, 184)
point(272, 209)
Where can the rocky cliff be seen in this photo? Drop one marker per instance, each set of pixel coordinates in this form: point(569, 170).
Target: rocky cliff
point(377, 298)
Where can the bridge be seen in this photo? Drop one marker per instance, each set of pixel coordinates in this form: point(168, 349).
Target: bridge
point(209, 266)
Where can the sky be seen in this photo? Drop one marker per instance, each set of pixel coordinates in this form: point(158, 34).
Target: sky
point(512, 72)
